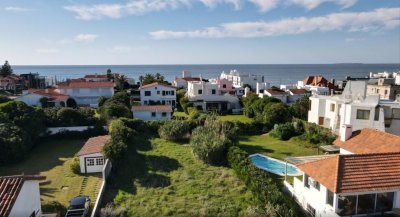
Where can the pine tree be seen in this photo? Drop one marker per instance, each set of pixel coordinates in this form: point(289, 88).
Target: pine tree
point(6, 69)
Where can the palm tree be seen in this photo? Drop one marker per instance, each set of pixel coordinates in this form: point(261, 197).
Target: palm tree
point(120, 81)
point(141, 78)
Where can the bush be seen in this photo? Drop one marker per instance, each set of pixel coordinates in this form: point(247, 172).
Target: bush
point(121, 136)
point(276, 113)
point(54, 207)
point(75, 166)
point(314, 133)
point(284, 131)
point(111, 211)
point(66, 117)
point(193, 113)
point(208, 145)
point(14, 143)
point(71, 103)
point(4, 99)
point(112, 110)
point(174, 130)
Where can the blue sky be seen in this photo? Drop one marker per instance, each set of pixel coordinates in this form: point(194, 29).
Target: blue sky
point(199, 31)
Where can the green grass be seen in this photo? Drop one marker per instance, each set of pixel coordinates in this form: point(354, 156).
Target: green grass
point(165, 179)
point(275, 148)
point(180, 114)
point(52, 159)
point(240, 118)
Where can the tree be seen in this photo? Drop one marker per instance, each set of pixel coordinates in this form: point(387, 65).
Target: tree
point(109, 74)
point(44, 101)
point(114, 110)
point(141, 79)
point(120, 98)
point(150, 78)
point(179, 95)
point(275, 113)
point(4, 99)
point(71, 103)
point(14, 143)
point(301, 107)
point(121, 82)
point(174, 130)
point(102, 100)
point(6, 69)
point(121, 136)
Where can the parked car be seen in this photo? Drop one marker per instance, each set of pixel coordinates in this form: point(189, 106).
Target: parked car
point(79, 206)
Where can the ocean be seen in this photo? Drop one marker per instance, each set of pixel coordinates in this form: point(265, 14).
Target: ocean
point(274, 73)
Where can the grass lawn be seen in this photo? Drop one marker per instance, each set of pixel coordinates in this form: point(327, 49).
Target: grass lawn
point(275, 148)
point(52, 159)
point(240, 118)
point(165, 179)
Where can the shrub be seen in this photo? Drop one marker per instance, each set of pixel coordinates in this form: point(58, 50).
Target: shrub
point(174, 130)
point(4, 99)
point(208, 145)
point(275, 113)
point(111, 211)
point(54, 207)
point(71, 103)
point(284, 131)
point(75, 166)
point(14, 143)
point(121, 136)
point(193, 113)
point(113, 110)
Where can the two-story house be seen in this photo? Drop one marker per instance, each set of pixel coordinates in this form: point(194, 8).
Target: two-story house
point(157, 94)
point(242, 79)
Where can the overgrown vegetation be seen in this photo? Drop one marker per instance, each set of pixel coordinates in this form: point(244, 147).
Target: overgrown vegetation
point(67, 117)
point(117, 106)
point(175, 130)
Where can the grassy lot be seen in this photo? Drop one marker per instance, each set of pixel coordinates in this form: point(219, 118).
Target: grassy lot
point(275, 148)
point(240, 118)
point(165, 179)
point(52, 159)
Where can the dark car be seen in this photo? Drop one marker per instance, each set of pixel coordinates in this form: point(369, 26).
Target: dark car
point(79, 206)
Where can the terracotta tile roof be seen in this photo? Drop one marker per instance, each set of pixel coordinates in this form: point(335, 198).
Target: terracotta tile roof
point(96, 76)
point(153, 108)
point(94, 145)
point(276, 92)
point(191, 78)
point(86, 84)
point(370, 141)
point(50, 93)
point(318, 80)
point(10, 187)
point(155, 84)
point(298, 91)
point(356, 173)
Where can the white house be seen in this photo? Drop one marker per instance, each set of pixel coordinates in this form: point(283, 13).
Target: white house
point(296, 94)
point(86, 93)
point(152, 112)
point(205, 96)
point(278, 94)
point(32, 97)
point(353, 107)
point(157, 94)
point(348, 185)
point(91, 158)
point(182, 82)
point(20, 196)
point(241, 79)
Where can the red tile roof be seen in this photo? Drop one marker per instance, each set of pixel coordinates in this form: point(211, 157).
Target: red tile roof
point(356, 173)
point(155, 84)
point(152, 108)
point(298, 91)
point(318, 80)
point(96, 76)
point(189, 79)
point(10, 187)
point(94, 145)
point(276, 92)
point(86, 84)
point(50, 93)
point(370, 141)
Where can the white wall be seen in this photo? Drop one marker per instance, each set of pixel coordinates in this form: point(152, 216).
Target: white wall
point(30, 99)
point(87, 96)
point(55, 130)
point(156, 95)
point(146, 115)
point(90, 169)
point(28, 200)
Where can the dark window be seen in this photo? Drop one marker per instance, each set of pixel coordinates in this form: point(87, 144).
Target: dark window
point(306, 181)
point(147, 93)
point(164, 114)
point(366, 203)
point(347, 205)
point(376, 118)
point(163, 92)
point(310, 210)
point(362, 114)
point(173, 102)
point(158, 92)
point(200, 91)
point(163, 102)
point(316, 185)
point(224, 86)
point(172, 92)
point(213, 91)
point(329, 197)
point(384, 202)
point(153, 114)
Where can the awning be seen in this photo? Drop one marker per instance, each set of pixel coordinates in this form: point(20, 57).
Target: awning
point(306, 159)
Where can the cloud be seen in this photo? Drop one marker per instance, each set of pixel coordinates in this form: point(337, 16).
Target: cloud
point(47, 51)
point(127, 49)
point(265, 5)
point(85, 38)
point(311, 4)
point(379, 19)
point(16, 9)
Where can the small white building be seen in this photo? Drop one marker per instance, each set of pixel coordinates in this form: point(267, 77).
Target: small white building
point(348, 185)
point(354, 107)
point(296, 94)
point(241, 79)
point(86, 93)
point(152, 112)
point(157, 94)
point(278, 94)
point(91, 158)
point(20, 196)
point(32, 97)
point(182, 82)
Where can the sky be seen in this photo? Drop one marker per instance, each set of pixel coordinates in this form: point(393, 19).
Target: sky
point(99, 32)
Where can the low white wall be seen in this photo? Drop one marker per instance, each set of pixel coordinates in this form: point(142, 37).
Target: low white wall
point(106, 171)
point(55, 130)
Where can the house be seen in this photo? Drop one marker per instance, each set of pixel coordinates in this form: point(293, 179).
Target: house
point(225, 86)
point(296, 94)
point(157, 94)
point(152, 112)
point(386, 89)
point(240, 79)
point(91, 158)
point(317, 85)
point(34, 80)
point(33, 97)
point(12, 83)
point(348, 185)
point(96, 77)
point(276, 93)
point(182, 82)
point(86, 93)
point(205, 96)
point(355, 108)
point(20, 196)
point(366, 141)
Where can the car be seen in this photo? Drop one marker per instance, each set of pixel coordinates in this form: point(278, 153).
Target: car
point(78, 206)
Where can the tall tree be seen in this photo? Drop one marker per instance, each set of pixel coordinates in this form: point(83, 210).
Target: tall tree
point(109, 74)
point(120, 81)
point(6, 69)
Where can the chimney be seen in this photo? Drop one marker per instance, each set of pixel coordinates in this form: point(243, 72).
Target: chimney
point(346, 131)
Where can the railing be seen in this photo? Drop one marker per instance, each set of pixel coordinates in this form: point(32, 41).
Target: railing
point(105, 172)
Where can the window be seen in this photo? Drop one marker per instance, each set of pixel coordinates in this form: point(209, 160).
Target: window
point(147, 93)
point(310, 210)
point(153, 114)
point(213, 91)
point(384, 201)
point(172, 93)
point(99, 161)
point(362, 114)
point(200, 91)
point(163, 92)
point(164, 114)
point(90, 162)
point(332, 107)
point(306, 181)
point(376, 117)
point(347, 205)
point(163, 102)
point(366, 203)
point(329, 197)
point(145, 102)
point(386, 92)
point(224, 86)
point(158, 92)
point(321, 121)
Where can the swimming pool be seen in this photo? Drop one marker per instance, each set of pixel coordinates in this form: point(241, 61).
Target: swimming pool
point(273, 165)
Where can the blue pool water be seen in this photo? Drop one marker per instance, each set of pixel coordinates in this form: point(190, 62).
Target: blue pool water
point(273, 165)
